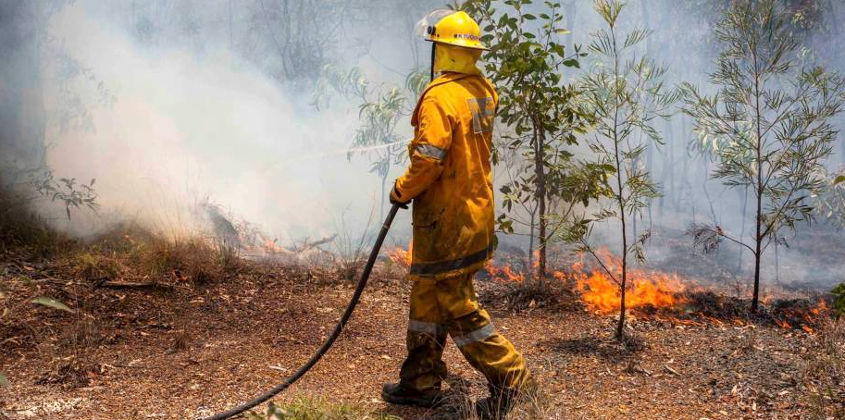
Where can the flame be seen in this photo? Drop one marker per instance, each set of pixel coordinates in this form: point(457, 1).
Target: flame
point(819, 308)
point(270, 247)
point(783, 324)
point(400, 256)
point(504, 273)
point(601, 293)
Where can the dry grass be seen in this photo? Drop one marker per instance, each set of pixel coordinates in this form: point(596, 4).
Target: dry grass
point(552, 294)
point(194, 260)
point(823, 373)
point(128, 253)
point(123, 252)
point(22, 228)
point(69, 371)
point(534, 404)
point(303, 408)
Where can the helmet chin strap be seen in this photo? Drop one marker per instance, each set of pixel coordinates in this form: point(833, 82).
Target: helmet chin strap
point(433, 47)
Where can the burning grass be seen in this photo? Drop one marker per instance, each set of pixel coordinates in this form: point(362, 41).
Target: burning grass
point(652, 294)
point(648, 288)
point(400, 256)
point(505, 273)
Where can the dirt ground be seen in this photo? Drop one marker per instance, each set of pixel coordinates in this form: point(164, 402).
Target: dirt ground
point(187, 351)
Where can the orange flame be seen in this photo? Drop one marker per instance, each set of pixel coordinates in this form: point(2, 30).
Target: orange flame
point(270, 247)
point(783, 324)
point(400, 256)
point(601, 293)
point(504, 273)
point(819, 308)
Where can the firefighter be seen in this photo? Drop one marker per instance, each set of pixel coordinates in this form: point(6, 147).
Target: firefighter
point(450, 182)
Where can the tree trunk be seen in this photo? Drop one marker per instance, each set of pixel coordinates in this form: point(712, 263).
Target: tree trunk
point(620, 200)
point(757, 256)
point(539, 171)
point(759, 189)
point(621, 325)
point(530, 269)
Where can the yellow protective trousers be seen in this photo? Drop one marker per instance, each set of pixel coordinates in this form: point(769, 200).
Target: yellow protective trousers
point(448, 306)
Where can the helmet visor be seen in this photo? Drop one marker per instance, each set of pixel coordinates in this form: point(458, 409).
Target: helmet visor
point(422, 28)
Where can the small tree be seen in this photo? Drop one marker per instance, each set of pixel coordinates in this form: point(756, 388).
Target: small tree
point(770, 120)
point(68, 191)
point(525, 62)
point(625, 93)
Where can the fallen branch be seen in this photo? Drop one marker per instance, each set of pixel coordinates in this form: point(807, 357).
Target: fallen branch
point(132, 284)
point(672, 371)
point(309, 245)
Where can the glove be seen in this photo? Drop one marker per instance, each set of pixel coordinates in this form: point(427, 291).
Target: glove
point(395, 198)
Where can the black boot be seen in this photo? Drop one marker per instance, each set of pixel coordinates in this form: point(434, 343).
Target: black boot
point(397, 393)
point(497, 405)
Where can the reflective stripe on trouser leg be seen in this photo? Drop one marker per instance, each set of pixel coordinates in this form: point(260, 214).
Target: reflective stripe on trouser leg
point(423, 369)
point(488, 351)
point(430, 328)
point(480, 334)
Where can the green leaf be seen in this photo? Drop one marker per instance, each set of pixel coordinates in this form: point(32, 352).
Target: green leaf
point(839, 179)
point(561, 31)
point(52, 303)
point(572, 63)
point(3, 380)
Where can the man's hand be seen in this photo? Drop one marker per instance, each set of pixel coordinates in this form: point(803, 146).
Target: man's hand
point(396, 199)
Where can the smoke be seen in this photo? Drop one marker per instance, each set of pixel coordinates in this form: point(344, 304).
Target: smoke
point(183, 127)
point(166, 127)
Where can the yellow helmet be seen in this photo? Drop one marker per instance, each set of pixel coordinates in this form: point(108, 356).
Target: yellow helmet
point(455, 28)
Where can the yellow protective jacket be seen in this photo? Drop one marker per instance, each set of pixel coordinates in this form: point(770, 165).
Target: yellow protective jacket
point(450, 176)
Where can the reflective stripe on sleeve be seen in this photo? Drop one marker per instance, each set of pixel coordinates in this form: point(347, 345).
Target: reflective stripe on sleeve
point(473, 337)
point(429, 328)
point(431, 151)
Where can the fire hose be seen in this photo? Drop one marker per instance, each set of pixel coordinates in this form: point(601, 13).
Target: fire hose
point(359, 289)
